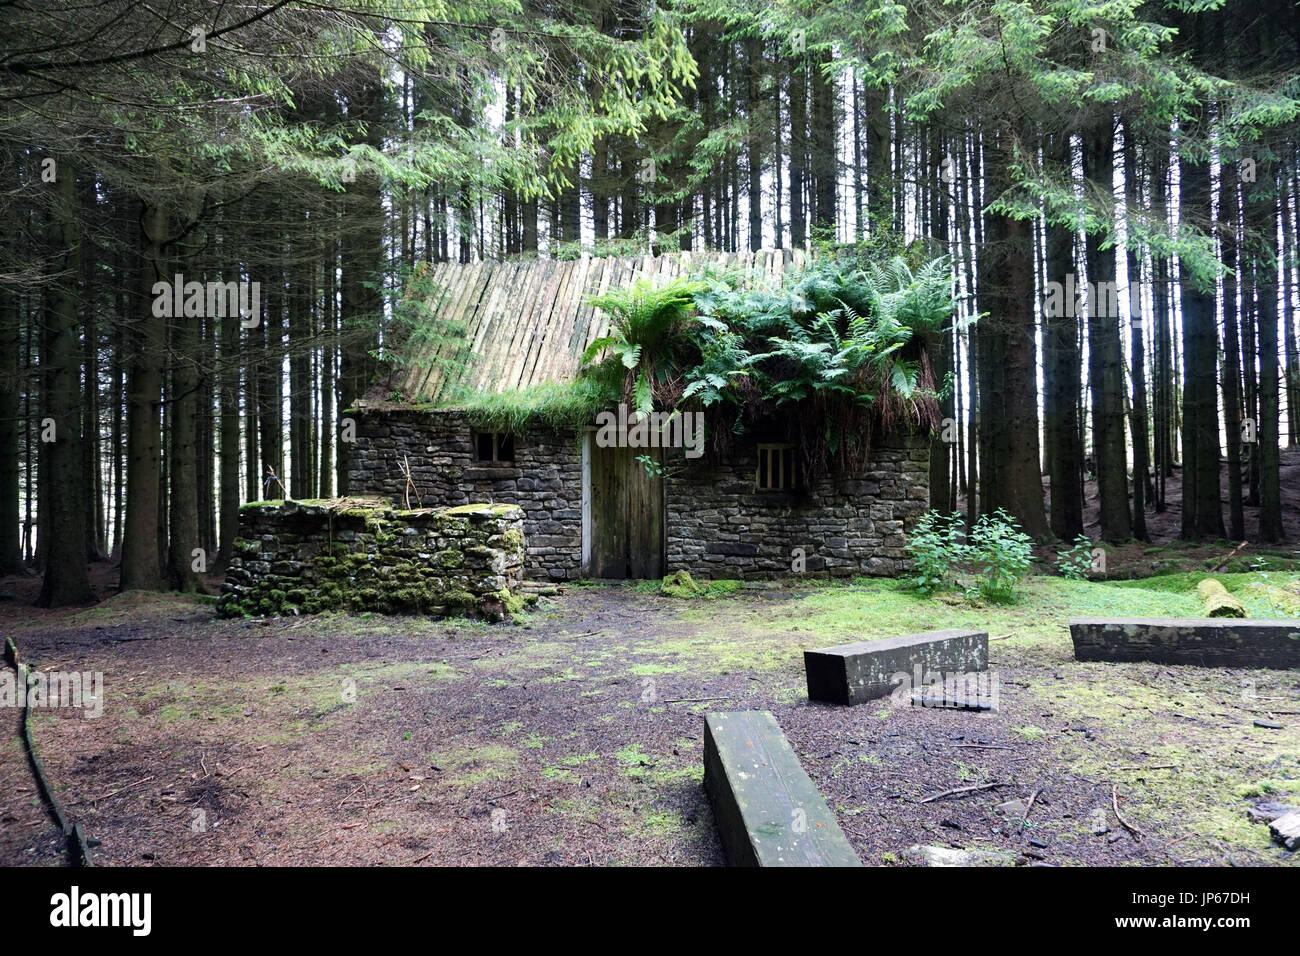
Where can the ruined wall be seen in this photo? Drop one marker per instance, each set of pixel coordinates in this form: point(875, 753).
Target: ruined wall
point(718, 526)
point(545, 479)
point(345, 554)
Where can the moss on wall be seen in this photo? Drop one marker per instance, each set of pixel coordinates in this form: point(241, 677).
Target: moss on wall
point(362, 555)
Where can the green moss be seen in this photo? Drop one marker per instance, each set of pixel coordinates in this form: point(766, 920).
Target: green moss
point(513, 601)
point(460, 599)
point(467, 509)
point(514, 540)
point(679, 584)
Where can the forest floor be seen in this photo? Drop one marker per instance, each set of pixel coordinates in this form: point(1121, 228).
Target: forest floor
point(1162, 551)
point(573, 736)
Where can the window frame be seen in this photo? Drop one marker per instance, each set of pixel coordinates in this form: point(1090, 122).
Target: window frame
point(783, 454)
point(496, 439)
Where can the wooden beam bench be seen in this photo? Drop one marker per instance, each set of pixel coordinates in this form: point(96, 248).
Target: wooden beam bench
point(1207, 642)
point(868, 670)
point(768, 811)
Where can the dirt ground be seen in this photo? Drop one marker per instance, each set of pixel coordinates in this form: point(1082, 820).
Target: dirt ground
point(573, 737)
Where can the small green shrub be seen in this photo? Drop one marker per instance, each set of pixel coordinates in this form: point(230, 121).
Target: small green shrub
point(994, 556)
point(937, 550)
point(1000, 554)
point(1075, 561)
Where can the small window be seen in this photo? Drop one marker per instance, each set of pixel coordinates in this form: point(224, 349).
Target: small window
point(494, 447)
point(775, 468)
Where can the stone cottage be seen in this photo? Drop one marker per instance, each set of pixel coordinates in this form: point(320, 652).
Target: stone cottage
point(591, 509)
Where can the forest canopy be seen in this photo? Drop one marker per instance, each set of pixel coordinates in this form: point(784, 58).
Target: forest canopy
point(1144, 154)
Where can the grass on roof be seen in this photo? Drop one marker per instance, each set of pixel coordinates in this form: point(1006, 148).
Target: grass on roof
point(571, 404)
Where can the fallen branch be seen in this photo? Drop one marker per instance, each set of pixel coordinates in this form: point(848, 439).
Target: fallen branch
point(1153, 766)
point(1024, 820)
point(1114, 802)
point(953, 793)
point(1231, 556)
point(692, 700)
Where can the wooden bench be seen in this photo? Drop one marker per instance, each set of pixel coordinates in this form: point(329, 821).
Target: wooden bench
point(1204, 641)
point(768, 811)
point(868, 670)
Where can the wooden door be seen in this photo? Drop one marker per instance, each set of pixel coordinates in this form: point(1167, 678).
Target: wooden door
point(627, 515)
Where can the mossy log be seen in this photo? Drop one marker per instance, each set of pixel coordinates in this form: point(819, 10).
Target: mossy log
point(1218, 602)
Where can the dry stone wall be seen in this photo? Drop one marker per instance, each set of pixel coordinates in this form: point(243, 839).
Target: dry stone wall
point(717, 525)
point(363, 555)
point(544, 479)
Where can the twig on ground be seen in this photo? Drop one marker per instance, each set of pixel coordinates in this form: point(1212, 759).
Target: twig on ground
point(959, 790)
point(1114, 802)
point(1152, 766)
point(1024, 820)
point(1230, 556)
point(692, 700)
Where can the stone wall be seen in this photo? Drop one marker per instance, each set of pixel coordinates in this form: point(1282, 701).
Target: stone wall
point(545, 479)
point(358, 555)
point(718, 526)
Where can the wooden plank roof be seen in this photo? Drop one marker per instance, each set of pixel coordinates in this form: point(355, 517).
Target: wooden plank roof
point(529, 322)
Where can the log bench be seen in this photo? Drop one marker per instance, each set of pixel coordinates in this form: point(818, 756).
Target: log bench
point(868, 670)
point(1207, 642)
point(768, 811)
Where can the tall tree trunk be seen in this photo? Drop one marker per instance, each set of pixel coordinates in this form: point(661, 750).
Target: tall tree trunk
point(1105, 351)
point(1138, 347)
point(798, 152)
point(754, 144)
point(141, 531)
point(1264, 211)
point(1229, 231)
point(11, 554)
point(1010, 472)
point(825, 149)
point(67, 579)
point(1202, 508)
point(183, 538)
point(228, 382)
point(1062, 374)
point(942, 444)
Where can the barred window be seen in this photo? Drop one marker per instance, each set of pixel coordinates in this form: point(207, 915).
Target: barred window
point(494, 448)
point(775, 468)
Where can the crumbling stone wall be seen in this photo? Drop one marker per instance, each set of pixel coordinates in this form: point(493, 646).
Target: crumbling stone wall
point(545, 479)
point(362, 555)
point(719, 526)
